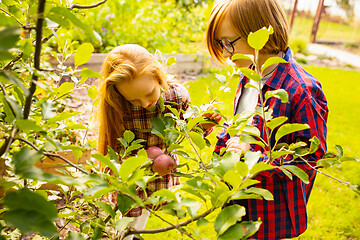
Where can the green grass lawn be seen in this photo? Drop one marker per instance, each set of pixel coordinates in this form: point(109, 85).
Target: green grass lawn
point(327, 30)
point(333, 209)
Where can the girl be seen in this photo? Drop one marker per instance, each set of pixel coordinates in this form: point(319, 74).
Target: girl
point(131, 85)
point(230, 23)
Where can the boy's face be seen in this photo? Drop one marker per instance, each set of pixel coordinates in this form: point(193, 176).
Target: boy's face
point(143, 91)
point(240, 46)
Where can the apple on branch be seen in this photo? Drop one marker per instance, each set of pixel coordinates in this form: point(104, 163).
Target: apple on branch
point(154, 151)
point(163, 164)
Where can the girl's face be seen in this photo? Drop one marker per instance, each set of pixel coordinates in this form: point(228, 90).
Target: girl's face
point(240, 46)
point(143, 91)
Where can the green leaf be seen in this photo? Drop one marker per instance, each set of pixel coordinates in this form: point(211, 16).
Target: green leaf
point(251, 158)
point(158, 126)
point(129, 136)
point(192, 206)
point(251, 130)
point(288, 128)
point(193, 192)
point(297, 172)
point(202, 222)
point(251, 227)
point(74, 236)
point(87, 73)
point(197, 139)
point(5, 19)
point(122, 223)
point(259, 167)
point(48, 110)
point(9, 36)
point(251, 74)
point(27, 125)
point(65, 89)
point(275, 122)
point(92, 91)
point(228, 217)
point(99, 190)
point(25, 159)
point(191, 123)
point(36, 215)
point(14, 106)
point(339, 150)
point(266, 194)
point(315, 142)
point(278, 93)
point(166, 193)
point(233, 178)
point(258, 39)
point(235, 232)
point(242, 56)
point(170, 61)
point(277, 154)
point(15, 80)
point(124, 203)
point(129, 165)
point(106, 162)
point(248, 183)
point(63, 12)
point(106, 207)
point(271, 61)
point(62, 116)
point(83, 54)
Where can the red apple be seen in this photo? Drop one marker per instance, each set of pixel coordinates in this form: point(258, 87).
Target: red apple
point(163, 164)
point(153, 152)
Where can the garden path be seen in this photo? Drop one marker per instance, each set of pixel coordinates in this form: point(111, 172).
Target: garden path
point(342, 56)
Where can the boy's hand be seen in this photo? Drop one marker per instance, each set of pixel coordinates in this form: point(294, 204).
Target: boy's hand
point(234, 145)
point(213, 116)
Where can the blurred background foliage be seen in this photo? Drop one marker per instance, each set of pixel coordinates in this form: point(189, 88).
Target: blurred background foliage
point(178, 26)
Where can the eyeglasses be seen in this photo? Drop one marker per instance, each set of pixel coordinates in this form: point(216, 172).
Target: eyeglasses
point(226, 43)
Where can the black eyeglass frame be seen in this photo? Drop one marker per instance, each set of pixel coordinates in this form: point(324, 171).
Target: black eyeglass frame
point(220, 42)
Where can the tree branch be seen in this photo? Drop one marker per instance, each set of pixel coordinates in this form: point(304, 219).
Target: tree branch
point(340, 181)
point(74, 5)
point(38, 45)
point(163, 229)
point(11, 63)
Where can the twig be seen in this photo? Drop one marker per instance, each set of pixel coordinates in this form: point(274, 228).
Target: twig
point(11, 63)
point(3, 89)
point(163, 229)
point(197, 153)
point(74, 5)
point(340, 181)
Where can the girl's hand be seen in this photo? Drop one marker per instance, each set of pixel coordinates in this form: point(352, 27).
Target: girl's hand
point(234, 145)
point(213, 116)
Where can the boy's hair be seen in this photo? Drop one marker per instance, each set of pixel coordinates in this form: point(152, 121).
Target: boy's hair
point(123, 63)
point(249, 16)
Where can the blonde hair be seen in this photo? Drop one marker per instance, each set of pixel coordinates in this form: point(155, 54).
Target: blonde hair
point(249, 16)
point(123, 63)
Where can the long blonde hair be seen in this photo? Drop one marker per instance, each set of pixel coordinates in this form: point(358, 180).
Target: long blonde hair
point(249, 16)
point(123, 63)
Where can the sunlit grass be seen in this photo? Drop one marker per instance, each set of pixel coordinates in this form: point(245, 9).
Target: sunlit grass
point(327, 30)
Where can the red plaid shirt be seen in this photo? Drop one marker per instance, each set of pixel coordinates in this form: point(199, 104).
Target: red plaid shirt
point(285, 216)
point(139, 119)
